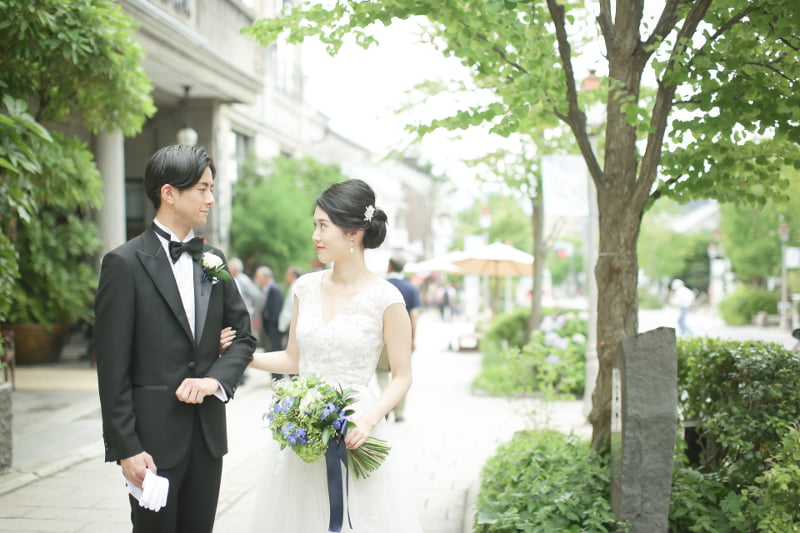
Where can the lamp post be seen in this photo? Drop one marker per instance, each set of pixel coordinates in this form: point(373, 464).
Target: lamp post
point(186, 135)
point(784, 305)
point(595, 118)
point(485, 222)
point(714, 293)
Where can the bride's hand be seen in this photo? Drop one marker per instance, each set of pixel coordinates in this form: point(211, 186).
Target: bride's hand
point(357, 436)
point(226, 337)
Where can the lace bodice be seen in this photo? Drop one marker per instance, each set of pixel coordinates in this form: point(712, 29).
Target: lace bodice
point(344, 350)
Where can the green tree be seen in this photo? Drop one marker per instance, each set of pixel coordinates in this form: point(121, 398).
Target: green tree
point(750, 237)
point(273, 205)
point(730, 65)
point(64, 66)
point(509, 222)
point(17, 157)
point(665, 254)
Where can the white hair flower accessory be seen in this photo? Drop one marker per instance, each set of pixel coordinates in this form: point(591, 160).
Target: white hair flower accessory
point(368, 212)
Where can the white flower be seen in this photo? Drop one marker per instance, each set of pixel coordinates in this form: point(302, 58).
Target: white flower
point(211, 261)
point(311, 397)
point(368, 212)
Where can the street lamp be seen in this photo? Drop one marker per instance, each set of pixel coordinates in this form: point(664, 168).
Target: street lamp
point(186, 135)
point(595, 118)
point(784, 305)
point(485, 222)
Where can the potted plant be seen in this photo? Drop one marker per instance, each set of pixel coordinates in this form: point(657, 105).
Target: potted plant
point(56, 250)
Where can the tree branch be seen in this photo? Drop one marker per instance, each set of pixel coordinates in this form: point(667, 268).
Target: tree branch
point(663, 105)
point(665, 23)
point(575, 117)
point(500, 52)
point(605, 21)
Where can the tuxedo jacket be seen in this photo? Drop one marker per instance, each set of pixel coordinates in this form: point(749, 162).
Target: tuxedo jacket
point(145, 349)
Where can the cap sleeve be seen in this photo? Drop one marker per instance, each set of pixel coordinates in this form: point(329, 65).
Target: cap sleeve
point(390, 295)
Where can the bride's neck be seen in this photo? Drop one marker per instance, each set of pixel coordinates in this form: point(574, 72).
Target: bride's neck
point(349, 273)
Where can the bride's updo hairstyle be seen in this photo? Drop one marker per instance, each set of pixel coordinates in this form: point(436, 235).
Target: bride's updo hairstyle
point(351, 205)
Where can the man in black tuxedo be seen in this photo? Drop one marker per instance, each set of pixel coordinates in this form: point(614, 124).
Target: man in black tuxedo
point(160, 307)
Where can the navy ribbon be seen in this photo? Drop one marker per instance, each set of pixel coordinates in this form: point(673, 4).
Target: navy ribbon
point(335, 455)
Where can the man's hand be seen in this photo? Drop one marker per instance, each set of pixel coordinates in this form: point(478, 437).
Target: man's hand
point(134, 468)
point(194, 390)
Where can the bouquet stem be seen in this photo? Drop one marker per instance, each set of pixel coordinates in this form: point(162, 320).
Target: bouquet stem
point(367, 458)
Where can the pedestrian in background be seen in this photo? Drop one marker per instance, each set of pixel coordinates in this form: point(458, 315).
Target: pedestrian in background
point(251, 294)
point(285, 317)
point(413, 303)
point(682, 298)
point(270, 312)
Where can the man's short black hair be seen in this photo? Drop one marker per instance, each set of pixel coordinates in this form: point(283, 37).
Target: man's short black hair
point(177, 165)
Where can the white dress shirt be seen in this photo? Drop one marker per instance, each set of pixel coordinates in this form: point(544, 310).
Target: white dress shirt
point(183, 270)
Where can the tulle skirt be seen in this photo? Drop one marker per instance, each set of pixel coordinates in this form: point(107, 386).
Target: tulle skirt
point(293, 497)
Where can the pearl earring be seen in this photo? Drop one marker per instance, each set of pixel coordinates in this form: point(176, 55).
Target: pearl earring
point(351, 244)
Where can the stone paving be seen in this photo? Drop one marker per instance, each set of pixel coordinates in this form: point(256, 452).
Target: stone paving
point(59, 482)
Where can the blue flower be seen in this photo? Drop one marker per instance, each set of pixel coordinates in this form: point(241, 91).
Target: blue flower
point(293, 434)
point(327, 410)
point(341, 422)
point(284, 405)
point(287, 429)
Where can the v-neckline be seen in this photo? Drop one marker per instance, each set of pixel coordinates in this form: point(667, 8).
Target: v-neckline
point(346, 304)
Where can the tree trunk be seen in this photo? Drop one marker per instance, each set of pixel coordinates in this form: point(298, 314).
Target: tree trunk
point(617, 306)
point(620, 206)
point(539, 254)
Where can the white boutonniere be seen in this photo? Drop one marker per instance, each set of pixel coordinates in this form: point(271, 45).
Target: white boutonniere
point(213, 268)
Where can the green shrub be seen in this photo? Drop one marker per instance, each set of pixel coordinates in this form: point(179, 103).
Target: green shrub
point(700, 502)
point(741, 394)
point(509, 330)
point(773, 503)
point(537, 366)
point(545, 481)
point(506, 329)
point(745, 302)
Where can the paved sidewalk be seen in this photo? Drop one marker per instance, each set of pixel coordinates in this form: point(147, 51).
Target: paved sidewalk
point(59, 482)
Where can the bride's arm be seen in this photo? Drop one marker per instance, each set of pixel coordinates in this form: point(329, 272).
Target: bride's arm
point(282, 361)
point(397, 337)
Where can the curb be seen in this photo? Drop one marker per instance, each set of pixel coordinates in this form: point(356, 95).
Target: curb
point(470, 501)
point(23, 475)
point(11, 481)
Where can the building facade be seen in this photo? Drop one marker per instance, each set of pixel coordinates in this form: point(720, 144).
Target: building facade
point(217, 88)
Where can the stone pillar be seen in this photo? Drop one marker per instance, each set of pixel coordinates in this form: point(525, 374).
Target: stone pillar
point(111, 163)
point(644, 423)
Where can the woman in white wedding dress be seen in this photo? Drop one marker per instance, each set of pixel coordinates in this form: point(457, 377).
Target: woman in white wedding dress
point(342, 318)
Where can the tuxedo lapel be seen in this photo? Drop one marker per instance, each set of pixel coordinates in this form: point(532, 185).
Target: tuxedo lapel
point(202, 295)
point(155, 262)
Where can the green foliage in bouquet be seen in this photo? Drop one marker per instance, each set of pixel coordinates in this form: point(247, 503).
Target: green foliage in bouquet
point(308, 415)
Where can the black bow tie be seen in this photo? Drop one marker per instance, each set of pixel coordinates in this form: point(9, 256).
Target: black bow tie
point(193, 247)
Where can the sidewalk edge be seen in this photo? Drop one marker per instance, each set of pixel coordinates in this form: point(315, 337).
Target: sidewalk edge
point(11, 481)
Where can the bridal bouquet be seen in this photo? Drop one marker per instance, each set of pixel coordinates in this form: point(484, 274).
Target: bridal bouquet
point(308, 415)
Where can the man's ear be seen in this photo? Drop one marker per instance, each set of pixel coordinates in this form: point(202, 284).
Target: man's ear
point(168, 194)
